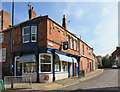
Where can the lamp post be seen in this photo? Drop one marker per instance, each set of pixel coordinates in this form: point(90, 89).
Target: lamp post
point(12, 34)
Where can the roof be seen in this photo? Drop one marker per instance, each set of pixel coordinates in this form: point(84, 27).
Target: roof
point(46, 16)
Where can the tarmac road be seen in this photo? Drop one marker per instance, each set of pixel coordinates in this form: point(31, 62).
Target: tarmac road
point(107, 81)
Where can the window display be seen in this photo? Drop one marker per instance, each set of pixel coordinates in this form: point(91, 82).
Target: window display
point(29, 67)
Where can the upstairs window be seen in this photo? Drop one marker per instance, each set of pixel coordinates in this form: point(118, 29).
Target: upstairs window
point(26, 34)
point(89, 51)
point(1, 37)
point(33, 33)
point(82, 49)
point(68, 37)
point(71, 43)
point(75, 45)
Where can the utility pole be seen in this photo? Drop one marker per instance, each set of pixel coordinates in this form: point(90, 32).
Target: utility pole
point(12, 33)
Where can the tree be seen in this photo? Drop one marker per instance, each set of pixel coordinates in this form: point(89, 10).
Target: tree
point(105, 60)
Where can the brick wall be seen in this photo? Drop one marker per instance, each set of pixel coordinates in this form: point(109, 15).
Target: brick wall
point(7, 44)
point(6, 19)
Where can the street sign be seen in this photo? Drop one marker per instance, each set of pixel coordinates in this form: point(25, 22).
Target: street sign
point(65, 45)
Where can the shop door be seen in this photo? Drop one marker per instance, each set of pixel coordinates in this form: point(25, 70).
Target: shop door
point(76, 65)
point(18, 68)
point(71, 70)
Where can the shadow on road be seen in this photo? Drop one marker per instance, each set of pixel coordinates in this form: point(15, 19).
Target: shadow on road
point(106, 89)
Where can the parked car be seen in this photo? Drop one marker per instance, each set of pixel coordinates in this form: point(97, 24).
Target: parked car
point(114, 66)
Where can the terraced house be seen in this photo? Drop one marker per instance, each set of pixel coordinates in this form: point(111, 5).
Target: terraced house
point(47, 51)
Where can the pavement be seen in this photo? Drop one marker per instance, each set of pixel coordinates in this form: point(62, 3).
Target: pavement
point(60, 84)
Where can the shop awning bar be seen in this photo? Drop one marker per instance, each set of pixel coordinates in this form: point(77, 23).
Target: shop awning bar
point(27, 58)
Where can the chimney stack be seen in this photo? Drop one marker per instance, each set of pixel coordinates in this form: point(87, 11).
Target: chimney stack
point(64, 22)
point(32, 13)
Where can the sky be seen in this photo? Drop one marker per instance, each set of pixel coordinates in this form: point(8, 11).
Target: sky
point(95, 22)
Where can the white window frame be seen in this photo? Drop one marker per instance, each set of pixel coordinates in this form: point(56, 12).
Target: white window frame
point(68, 39)
point(75, 44)
point(71, 43)
point(45, 63)
point(34, 34)
point(3, 55)
point(89, 51)
point(23, 35)
point(1, 37)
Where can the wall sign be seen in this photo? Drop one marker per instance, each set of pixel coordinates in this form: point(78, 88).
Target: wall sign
point(50, 44)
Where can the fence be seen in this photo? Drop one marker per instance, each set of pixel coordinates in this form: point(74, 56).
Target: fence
point(17, 82)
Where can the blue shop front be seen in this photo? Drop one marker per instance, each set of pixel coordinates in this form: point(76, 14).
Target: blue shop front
point(46, 66)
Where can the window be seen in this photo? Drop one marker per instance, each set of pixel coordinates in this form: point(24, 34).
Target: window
point(87, 64)
point(26, 34)
point(83, 49)
point(1, 37)
point(33, 33)
point(64, 66)
point(29, 67)
point(3, 55)
point(89, 51)
point(57, 66)
point(71, 43)
point(68, 37)
point(75, 45)
point(45, 62)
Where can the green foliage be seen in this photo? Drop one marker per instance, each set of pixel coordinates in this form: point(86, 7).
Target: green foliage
point(105, 60)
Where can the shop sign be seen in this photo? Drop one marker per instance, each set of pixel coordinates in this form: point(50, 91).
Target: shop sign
point(65, 45)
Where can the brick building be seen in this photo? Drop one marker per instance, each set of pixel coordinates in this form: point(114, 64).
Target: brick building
point(39, 50)
point(5, 43)
point(115, 57)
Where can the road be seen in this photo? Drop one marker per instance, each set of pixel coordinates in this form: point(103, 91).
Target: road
point(108, 80)
point(105, 82)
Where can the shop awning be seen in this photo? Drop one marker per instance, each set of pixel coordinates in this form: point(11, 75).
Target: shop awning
point(27, 58)
point(74, 60)
point(65, 58)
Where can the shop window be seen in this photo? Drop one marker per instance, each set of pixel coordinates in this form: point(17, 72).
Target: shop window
point(75, 45)
point(33, 33)
point(1, 37)
point(64, 66)
point(71, 43)
point(29, 67)
point(26, 34)
point(45, 62)
point(57, 66)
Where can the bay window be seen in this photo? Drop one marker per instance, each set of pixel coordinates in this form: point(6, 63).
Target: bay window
point(45, 62)
point(26, 34)
point(33, 33)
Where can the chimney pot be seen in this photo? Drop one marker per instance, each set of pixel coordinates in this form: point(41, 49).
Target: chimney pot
point(32, 13)
point(64, 22)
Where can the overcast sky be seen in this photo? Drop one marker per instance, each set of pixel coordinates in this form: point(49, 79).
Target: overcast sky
point(95, 22)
